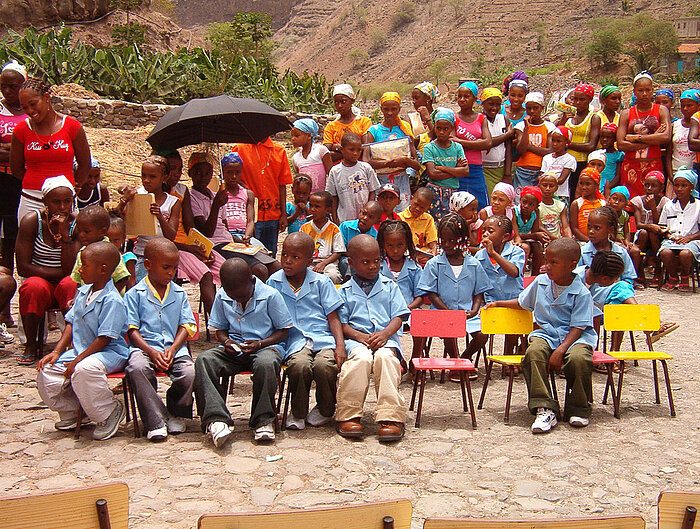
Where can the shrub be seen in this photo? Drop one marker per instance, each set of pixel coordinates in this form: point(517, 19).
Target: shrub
point(127, 35)
point(377, 40)
point(605, 47)
point(358, 57)
point(404, 15)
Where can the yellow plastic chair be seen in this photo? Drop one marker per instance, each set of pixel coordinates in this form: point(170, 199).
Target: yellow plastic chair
point(639, 318)
point(366, 516)
point(598, 522)
point(672, 508)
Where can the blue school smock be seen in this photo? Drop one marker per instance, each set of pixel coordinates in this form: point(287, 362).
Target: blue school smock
point(264, 314)
point(598, 293)
point(408, 279)
point(158, 322)
point(105, 316)
point(556, 317)
point(623, 289)
point(372, 312)
point(349, 229)
point(503, 286)
point(309, 309)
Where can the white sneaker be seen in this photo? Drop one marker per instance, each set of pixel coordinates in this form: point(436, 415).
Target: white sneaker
point(295, 424)
point(578, 422)
point(5, 336)
point(546, 420)
point(265, 433)
point(109, 427)
point(159, 434)
point(70, 424)
point(220, 432)
point(315, 418)
point(176, 425)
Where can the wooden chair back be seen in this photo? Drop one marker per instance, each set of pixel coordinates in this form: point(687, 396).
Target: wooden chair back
point(365, 516)
point(438, 323)
point(672, 506)
point(632, 317)
point(501, 320)
point(75, 508)
point(602, 522)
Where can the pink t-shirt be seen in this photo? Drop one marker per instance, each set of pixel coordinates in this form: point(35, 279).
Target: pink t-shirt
point(8, 121)
point(234, 211)
point(470, 132)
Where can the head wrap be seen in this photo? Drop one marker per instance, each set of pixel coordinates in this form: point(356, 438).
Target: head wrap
point(586, 89)
point(553, 174)
point(597, 155)
point(460, 199)
point(519, 76)
point(535, 97)
point(345, 90)
point(200, 157)
point(307, 125)
point(14, 66)
point(607, 90)
point(428, 89)
point(609, 126)
point(165, 151)
point(595, 176)
point(665, 92)
point(564, 131)
point(642, 75)
point(691, 94)
point(507, 189)
point(444, 113)
point(93, 163)
point(232, 157)
point(490, 92)
point(686, 174)
point(390, 96)
point(471, 86)
point(622, 190)
point(55, 182)
point(656, 174)
point(519, 83)
point(532, 190)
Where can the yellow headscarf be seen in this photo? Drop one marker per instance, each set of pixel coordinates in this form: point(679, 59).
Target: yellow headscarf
point(490, 92)
point(394, 96)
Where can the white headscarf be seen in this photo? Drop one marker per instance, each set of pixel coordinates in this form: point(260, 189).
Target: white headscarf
point(14, 66)
point(346, 89)
point(56, 181)
point(460, 199)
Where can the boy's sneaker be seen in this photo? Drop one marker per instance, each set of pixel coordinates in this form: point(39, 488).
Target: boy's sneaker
point(546, 420)
point(5, 336)
point(176, 425)
point(105, 430)
point(315, 418)
point(295, 424)
point(578, 422)
point(220, 432)
point(70, 424)
point(265, 433)
point(159, 434)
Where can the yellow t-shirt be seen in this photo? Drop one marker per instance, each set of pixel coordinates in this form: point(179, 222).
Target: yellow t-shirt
point(334, 131)
point(423, 228)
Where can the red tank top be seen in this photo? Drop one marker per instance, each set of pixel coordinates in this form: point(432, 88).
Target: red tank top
point(648, 121)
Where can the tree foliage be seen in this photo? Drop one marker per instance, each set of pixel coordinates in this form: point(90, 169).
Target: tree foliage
point(247, 35)
point(605, 47)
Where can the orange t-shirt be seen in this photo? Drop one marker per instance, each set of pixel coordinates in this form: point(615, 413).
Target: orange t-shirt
point(537, 137)
point(334, 131)
point(265, 169)
point(584, 210)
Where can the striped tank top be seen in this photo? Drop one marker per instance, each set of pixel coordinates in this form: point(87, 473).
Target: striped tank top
point(43, 254)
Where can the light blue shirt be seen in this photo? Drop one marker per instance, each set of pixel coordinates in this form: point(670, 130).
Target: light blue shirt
point(503, 286)
point(408, 279)
point(264, 314)
point(588, 251)
point(372, 312)
point(105, 316)
point(556, 317)
point(349, 229)
point(158, 322)
point(309, 309)
point(456, 292)
point(598, 293)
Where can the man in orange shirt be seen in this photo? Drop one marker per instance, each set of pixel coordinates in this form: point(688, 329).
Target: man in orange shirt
point(266, 173)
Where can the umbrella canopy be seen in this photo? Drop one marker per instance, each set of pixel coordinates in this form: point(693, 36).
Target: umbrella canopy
point(219, 119)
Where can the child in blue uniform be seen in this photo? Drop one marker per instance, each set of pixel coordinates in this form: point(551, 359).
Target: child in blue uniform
point(70, 379)
point(315, 347)
point(160, 319)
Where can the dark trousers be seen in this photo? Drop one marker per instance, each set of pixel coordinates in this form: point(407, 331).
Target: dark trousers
point(142, 377)
point(267, 232)
point(212, 364)
point(573, 179)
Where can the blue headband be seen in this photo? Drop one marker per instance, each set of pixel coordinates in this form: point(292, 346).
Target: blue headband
point(665, 92)
point(622, 190)
point(307, 125)
point(691, 94)
point(232, 157)
point(471, 86)
point(690, 176)
point(444, 113)
point(93, 163)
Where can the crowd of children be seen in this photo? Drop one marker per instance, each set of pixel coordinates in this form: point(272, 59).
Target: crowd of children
point(382, 221)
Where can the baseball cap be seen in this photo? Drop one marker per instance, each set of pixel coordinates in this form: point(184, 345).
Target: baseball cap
point(392, 188)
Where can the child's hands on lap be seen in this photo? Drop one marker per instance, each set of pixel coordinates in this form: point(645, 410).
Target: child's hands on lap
point(70, 368)
point(340, 355)
point(556, 360)
point(250, 346)
point(160, 360)
point(319, 268)
point(377, 340)
point(49, 359)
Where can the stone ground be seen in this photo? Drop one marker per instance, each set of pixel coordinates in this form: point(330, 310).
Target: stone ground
point(445, 468)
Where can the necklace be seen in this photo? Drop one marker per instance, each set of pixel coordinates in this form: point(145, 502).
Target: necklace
point(56, 236)
point(263, 166)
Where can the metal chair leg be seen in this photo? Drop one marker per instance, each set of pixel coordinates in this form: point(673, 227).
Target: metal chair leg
point(420, 398)
point(489, 366)
point(464, 393)
point(465, 376)
point(511, 375)
point(132, 401)
point(656, 382)
point(79, 423)
point(668, 388)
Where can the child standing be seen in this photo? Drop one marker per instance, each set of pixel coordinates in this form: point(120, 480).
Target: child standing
point(160, 319)
point(680, 153)
point(619, 198)
point(372, 314)
point(90, 192)
point(585, 128)
point(553, 214)
point(533, 236)
point(610, 175)
point(497, 160)
point(313, 159)
point(532, 140)
point(563, 338)
point(314, 349)
point(560, 162)
point(328, 241)
point(297, 210)
point(420, 222)
point(70, 379)
point(352, 183)
point(591, 198)
point(610, 98)
point(388, 196)
point(349, 119)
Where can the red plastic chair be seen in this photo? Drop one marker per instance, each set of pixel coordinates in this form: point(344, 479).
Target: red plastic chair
point(528, 280)
point(441, 324)
point(609, 361)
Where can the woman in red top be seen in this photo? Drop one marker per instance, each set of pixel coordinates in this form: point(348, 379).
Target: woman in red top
point(44, 145)
point(643, 129)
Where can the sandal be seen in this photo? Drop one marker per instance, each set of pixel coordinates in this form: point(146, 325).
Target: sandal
point(684, 285)
point(600, 368)
point(655, 282)
point(26, 359)
point(665, 329)
point(670, 285)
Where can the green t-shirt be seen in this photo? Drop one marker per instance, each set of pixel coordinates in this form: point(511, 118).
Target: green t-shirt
point(120, 272)
point(443, 157)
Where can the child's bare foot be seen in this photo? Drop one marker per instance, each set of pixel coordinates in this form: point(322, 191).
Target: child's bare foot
point(29, 356)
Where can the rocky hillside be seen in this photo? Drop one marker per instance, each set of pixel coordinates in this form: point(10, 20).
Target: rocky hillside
point(189, 13)
point(16, 14)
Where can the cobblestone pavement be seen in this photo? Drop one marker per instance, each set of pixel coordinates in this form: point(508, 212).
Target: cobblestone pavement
point(445, 468)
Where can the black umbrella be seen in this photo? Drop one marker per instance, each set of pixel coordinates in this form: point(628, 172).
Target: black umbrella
point(219, 119)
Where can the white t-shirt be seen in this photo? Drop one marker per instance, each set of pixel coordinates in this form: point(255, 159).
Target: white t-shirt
point(647, 215)
point(680, 221)
point(682, 155)
point(495, 156)
point(352, 186)
point(557, 165)
point(313, 165)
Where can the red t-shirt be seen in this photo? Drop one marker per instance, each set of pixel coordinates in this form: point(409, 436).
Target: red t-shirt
point(8, 122)
point(47, 156)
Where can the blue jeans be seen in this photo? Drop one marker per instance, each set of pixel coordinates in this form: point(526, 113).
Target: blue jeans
point(267, 232)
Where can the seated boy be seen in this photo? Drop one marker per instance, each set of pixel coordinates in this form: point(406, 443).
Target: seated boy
point(160, 319)
point(388, 196)
point(372, 316)
point(326, 236)
point(95, 324)
point(370, 214)
point(421, 223)
point(92, 225)
point(563, 337)
point(315, 347)
point(251, 322)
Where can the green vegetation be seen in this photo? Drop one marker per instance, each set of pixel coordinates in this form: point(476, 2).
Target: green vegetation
point(358, 57)
point(133, 74)
point(404, 15)
point(373, 91)
point(127, 35)
point(247, 35)
point(377, 40)
point(437, 71)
